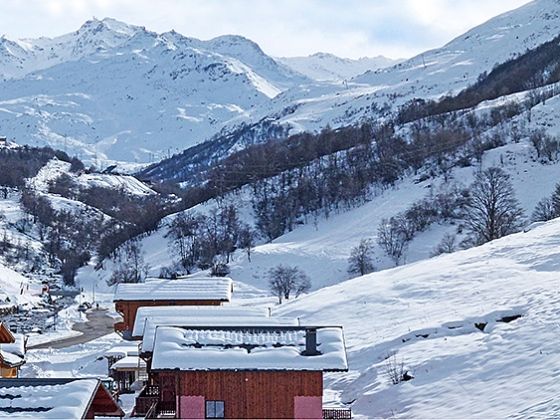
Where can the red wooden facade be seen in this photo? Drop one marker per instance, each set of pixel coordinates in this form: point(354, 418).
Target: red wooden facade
point(128, 309)
point(244, 394)
point(103, 404)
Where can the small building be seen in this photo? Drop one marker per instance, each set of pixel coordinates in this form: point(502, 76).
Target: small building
point(245, 372)
point(126, 367)
point(182, 292)
point(56, 398)
point(12, 352)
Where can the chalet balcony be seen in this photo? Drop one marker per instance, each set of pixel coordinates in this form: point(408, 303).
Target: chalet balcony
point(162, 410)
point(337, 413)
point(148, 397)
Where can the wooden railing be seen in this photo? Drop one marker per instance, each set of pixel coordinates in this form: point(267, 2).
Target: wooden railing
point(162, 410)
point(148, 397)
point(337, 413)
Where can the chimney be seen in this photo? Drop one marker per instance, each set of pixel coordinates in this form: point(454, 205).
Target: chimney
point(311, 342)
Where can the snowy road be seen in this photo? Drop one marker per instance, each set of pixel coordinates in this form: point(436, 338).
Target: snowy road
point(97, 325)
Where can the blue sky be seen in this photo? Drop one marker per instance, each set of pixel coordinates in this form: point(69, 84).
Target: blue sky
point(349, 28)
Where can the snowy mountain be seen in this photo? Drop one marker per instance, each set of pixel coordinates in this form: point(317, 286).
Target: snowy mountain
point(116, 91)
point(112, 91)
point(329, 67)
point(430, 75)
point(377, 95)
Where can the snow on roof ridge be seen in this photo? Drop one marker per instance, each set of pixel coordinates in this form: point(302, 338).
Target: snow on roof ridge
point(181, 289)
point(209, 323)
point(200, 349)
point(188, 312)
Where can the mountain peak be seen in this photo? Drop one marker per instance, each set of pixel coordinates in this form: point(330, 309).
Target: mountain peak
point(107, 24)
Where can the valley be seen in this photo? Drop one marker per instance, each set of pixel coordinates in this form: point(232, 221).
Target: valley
point(397, 218)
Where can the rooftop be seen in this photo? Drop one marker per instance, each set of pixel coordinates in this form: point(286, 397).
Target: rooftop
point(47, 398)
point(149, 333)
point(182, 289)
point(129, 363)
point(181, 312)
point(122, 350)
point(250, 348)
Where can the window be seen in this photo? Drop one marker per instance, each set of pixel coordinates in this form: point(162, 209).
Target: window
point(215, 409)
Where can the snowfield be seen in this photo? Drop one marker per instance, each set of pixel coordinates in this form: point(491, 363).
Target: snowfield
point(425, 314)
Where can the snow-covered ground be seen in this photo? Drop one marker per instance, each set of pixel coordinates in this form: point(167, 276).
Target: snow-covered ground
point(425, 314)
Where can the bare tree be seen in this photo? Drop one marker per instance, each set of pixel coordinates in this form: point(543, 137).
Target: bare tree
point(392, 239)
point(285, 280)
point(492, 210)
point(544, 210)
point(184, 239)
point(555, 198)
point(447, 245)
point(129, 264)
point(361, 258)
point(247, 239)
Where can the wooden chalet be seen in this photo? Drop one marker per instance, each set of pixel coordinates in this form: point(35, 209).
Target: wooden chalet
point(190, 316)
point(56, 398)
point(182, 292)
point(252, 371)
point(12, 352)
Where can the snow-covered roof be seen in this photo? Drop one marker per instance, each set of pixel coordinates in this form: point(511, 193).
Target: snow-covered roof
point(183, 289)
point(46, 398)
point(151, 325)
point(180, 312)
point(129, 363)
point(255, 348)
point(10, 359)
point(17, 347)
point(122, 350)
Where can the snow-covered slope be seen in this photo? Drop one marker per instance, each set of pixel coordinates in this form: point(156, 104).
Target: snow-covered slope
point(325, 66)
point(425, 314)
point(116, 91)
point(429, 75)
point(376, 95)
point(16, 289)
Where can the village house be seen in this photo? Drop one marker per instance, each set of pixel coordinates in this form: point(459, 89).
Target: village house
point(12, 352)
point(126, 367)
point(56, 398)
point(244, 371)
point(182, 292)
point(188, 317)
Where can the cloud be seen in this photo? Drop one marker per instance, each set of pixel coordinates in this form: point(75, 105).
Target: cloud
point(352, 28)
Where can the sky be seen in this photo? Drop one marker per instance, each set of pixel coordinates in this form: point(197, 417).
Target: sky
point(347, 28)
